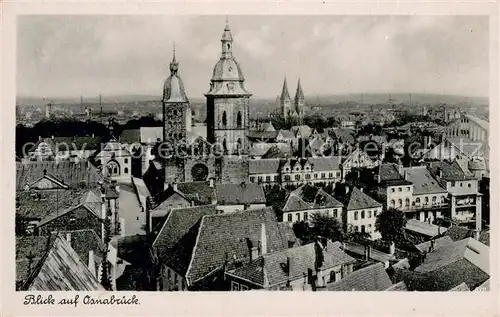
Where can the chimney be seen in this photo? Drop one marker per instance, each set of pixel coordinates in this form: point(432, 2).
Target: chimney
point(174, 185)
point(91, 264)
point(406, 174)
point(440, 172)
point(93, 135)
point(68, 237)
point(346, 187)
point(263, 238)
point(367, 252)
point(431, 247)
point(117, 188)
point(52, 137)
point(103, 198)
point(392, 248)
point(361, 189)
point(211, 182)
point(39, 138)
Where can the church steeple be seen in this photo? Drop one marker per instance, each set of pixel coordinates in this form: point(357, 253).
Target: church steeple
point(227, 42)
point(285, 95)
point(174, 65)
point(299, 94)
point(299, 100)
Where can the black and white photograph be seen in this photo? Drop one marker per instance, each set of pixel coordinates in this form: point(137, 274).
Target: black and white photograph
point(238, 153)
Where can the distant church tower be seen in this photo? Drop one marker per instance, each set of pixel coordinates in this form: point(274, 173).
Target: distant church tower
point(299, 100)
point(285, 101)
point(176, 107)
point(227, 113)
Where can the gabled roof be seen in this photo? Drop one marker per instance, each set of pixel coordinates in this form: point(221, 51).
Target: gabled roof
point(113, 147)
point(264, 135)
point(220, 238)
point(244, 193)
point(304, 130)
point(83, 241)
point(263, 166)
point(343, 135)
point(278, 150)
point(309, 197)
point(424, 228)
point(179, 222)
point(327, 163)
point(199, 192)
point(356, 200)
point(423, 181)
point(73, 174)
point(449, 171)
point(30, 249)
point(62, 270)
point(480, 122)
point(438, 243)
point(469, 249)
point(371, 279)
point(271, 268)
point(287, 134)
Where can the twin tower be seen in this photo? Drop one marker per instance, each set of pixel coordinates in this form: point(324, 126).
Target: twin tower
point(292, 108)
point(227, 120)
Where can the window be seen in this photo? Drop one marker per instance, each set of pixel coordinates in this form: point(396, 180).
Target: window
point(417, 200)
point(335, 214)
point(393, 203)
point(369, 213)
point(461, 184)
point(322, 175)
point(375, 213)
point(238, 120)
point(355, 215)
point(268, 178)
point(356, 228)
point(400, 202)
point(400, 189)
point(305, 216)
point(168, 274)
point(287, 178)
point(362, 214)
point(287, 169)
point(175, 279)
point(407, 189)
point(434, 199)
point(244, 288)
point(338, 174)
point(125, 160)
point(224, 119)
point(315, 176)
point(260, 178)
point(426, 200)
point(308, 176)
point(297, 177)
point(275, 178)
point(297, 215)
point(332, 276)
point(469, 185)
point(369, 228)
point(393, 190)
point(289, 216)
point(235, 286)
point(125, 170)
point(452, 184)
point(252, 179)
point(330, 175)
point(407, 202)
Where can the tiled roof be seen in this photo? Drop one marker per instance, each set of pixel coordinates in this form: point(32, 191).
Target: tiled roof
point(263, 166)
point(305, 130)
point(424, 228)
point(344, 135)
point(438, 243)
point(287, 134)
point(62, 270)
point(398, 287)
point(389, 172)
point(178, 223)
point(261, 148)
point(33, 207)
point(224, 237)
point(270, 269)
point(200, 192)
point(468, 147)
point(82, 241)
point(449, 171)
point(259, 134)
point(244, 193)
point(278, 150)
point(130, 136)
point(469, 249)
point(371, 278)
point(423, 182)
point(33, 247)
point(359, 200)
point(70, 173)
point(299, 200)
point(327, 163)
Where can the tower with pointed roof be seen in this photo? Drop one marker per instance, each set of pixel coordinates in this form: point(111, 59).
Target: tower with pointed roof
point(176, 107)
point(299, 100)
point(285, 101)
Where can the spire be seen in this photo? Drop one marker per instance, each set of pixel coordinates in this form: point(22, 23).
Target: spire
point(299, 94)
point(227, 42)
point(284, 91)
point(174, 65)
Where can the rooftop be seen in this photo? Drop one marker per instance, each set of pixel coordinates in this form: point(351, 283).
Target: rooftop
point(244, 193)
point(423, 182)
point(371, 279)
point(309, 197)
point(424, 228)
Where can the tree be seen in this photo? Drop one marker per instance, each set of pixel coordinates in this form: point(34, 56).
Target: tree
point(276, 197)
point(327, 227)
point(105, 275)
point(391, 223)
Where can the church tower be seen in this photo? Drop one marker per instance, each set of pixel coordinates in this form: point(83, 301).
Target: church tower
point(285, 101)
point(176, 107)
point(227, 102)
point(228, 114)
point(299, 100)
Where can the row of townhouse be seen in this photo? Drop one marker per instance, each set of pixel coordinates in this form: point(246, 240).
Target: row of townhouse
point(355, 211)
point(313, 170)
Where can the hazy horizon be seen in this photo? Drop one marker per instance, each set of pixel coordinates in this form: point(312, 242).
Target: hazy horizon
point(69, 56)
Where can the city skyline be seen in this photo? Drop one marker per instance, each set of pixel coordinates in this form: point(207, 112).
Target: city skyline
point(110, 55)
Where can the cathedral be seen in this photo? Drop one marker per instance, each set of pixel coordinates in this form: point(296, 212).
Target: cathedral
point(292, 108)
point(223, 156)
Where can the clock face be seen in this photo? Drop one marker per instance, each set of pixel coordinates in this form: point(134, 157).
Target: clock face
point(230, 86)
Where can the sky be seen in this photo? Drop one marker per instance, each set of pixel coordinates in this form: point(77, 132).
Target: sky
point(73, 55)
